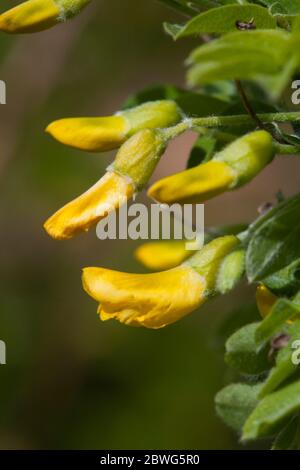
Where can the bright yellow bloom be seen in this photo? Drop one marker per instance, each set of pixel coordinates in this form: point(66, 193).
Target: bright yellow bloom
point(37, 15)
point(133, 166)
point(158, 299)
point(194, 185)
point(79, 215)
point(98, 134)
point(151, 300)
point(235, 165)
point(265, 300)
point(162, 254)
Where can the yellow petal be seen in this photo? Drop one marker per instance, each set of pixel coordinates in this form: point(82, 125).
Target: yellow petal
point(195, 185)
point(90, 134)
point(111, 191)
point(151, 300)
point(265, 300)
point(30, 16)
point(163, 254)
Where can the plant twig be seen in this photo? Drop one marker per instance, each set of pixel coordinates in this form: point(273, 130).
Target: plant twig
point(247, 105)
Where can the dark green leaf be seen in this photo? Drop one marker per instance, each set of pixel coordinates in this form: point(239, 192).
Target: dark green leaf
point(282, 311)
point(241, 352)
point(272, 411)
point(285, 282)
point(235, 403)
point(274, 240)
point(285, 366)
point(289, 437)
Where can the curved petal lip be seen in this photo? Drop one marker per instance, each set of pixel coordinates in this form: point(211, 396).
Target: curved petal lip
point(108, 194)
point(29, 17)
point(151, 300)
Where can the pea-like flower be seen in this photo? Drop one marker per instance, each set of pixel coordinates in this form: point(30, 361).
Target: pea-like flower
point(161, 255)
point(36, 15)
point(230, 168)
point(131, 170)
point(159, 299)
point(98, 134)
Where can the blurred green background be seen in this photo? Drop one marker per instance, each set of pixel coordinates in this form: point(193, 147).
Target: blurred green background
point(72, 382)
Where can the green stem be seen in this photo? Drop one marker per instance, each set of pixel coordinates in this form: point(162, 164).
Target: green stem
point(238, 120)
point(285, 149)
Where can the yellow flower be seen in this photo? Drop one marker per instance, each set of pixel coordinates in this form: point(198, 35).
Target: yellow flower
point(232, 167)
point(37, 15)
point(162, 254)
point(97, 134)
point(158, 299)
point(265, 300)
point(133, 166)
point(194, 185)
point(80, 214)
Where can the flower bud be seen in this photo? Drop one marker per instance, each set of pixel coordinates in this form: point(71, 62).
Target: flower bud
point(230, 168)
point(139, 155)
point(36, 15)
point(161, 255)
point(248, 155)
point(265, 300)
point(98, 134)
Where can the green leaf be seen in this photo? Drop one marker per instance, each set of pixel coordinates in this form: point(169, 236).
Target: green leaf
point(191, 103)
point(282, 311)
point(235, 403)
point(272, 411)
point(289, 437)
point(241, 352)
point(222, 20)
point(285, 282)
point(202, 150)
point(153, 93)
point(283, 7)
point(274, 240)
point(257, 55)
point(285, 366)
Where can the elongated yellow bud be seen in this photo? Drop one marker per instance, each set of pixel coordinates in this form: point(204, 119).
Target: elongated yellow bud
point(234, 166)
point(36, 15)
point(98, 134)
point(161, 255)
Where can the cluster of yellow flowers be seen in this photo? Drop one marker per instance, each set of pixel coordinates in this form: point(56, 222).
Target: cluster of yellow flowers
point(142, 135)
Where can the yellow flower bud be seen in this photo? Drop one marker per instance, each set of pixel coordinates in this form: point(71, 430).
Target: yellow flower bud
point(106, 133)
point(158, 299)
point(265, 300)
point(37, 15)
point(161, 255)
point(237, 164)
point(109, 193)
point(195, 185)
point(248, 155)
point(90, 134)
